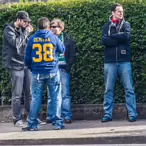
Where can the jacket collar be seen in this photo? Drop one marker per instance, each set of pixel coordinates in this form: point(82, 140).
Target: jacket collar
point(120, 23)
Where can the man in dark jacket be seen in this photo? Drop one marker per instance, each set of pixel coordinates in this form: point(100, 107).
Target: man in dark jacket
point(117, 55)
point(66, 61)
point(14, 44)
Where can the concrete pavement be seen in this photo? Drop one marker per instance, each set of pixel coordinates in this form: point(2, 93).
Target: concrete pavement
point(79, 132)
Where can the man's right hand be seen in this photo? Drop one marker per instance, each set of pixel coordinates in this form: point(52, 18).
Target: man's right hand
point(29, 28)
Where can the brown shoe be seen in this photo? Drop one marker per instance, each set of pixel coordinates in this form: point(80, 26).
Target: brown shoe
point(68, 121)
point(48, 121)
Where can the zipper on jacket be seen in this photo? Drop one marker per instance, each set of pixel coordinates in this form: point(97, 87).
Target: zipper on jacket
point(116, 54)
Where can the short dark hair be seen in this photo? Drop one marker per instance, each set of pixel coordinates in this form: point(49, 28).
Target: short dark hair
point(43, 23)
point(114, 6)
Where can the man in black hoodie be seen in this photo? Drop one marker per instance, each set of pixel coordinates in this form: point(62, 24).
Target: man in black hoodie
point(117, 55)
point(14, 44)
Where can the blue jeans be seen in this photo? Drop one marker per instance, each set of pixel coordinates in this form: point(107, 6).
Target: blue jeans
point(66, 100)
point(52, 80)
point(124, 70)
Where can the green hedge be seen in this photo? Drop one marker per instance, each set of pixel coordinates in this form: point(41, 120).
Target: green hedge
point(84, 21)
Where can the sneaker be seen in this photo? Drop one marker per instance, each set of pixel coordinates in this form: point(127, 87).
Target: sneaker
point(106, 119)
point(68, 121)
point(41, 122)
point(58, 127)
point(19, 123)
point(132, 119)
point(48, 121)
point(26, 128)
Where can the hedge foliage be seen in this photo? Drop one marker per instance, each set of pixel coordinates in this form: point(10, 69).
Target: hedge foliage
point(84, 21)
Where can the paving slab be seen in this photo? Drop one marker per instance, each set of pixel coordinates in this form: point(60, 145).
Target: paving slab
point(79, 132)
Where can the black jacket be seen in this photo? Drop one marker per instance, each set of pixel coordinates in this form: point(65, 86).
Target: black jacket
point(14, 44)
point(116, 42)
point(70, 53)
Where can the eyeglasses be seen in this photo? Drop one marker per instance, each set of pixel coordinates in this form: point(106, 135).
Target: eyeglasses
point(54, 26)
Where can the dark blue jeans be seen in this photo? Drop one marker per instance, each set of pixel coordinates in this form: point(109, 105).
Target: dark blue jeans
point(124, 70)
point(52, 80)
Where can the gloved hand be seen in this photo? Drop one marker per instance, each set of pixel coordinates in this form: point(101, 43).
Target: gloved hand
point(113, 29)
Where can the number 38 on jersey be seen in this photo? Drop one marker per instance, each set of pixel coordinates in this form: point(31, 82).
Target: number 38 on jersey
point(44, 52)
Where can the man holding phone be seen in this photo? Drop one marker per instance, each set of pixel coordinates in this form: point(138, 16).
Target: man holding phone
point(14, 44)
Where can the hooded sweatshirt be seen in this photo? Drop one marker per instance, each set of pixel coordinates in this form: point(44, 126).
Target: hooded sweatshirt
point(41, 52)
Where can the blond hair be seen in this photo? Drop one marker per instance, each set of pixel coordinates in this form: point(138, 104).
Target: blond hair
point(59, 23)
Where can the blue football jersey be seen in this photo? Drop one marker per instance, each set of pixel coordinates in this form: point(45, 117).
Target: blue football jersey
point(42, 50)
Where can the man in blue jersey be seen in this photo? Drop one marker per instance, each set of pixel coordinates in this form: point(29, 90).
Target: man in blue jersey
point(41, 58)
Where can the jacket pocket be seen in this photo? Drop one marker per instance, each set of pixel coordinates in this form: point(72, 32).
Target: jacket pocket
point(18, 59)
point(14, 60)
point(123, 52)
point(16, 63)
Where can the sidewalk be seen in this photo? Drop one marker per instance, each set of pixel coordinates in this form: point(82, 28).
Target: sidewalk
point(79, 132)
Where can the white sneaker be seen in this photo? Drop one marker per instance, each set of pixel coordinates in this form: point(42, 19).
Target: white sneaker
point(19, 124)
point(41, 122)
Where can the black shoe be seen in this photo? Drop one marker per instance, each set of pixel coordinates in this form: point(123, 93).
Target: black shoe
point(67, 121)
point(29, 129)
point(106, 119)
point(48, 121)
point(132, 119)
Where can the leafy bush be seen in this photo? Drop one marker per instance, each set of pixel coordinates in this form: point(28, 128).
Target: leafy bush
point(84, 21)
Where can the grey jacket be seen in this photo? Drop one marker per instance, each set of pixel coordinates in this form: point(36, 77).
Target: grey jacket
point(14, 44)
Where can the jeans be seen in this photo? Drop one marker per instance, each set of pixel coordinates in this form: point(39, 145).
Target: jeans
point(66, 100)
point(124, 70)
point(21, 82)
point(52, 80)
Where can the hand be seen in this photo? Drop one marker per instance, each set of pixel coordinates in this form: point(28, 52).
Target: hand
point(29, 28)
point(67, 69)
point(113, 29)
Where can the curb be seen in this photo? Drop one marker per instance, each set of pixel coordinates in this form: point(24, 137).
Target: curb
point(65, 141)
point(81, 112)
